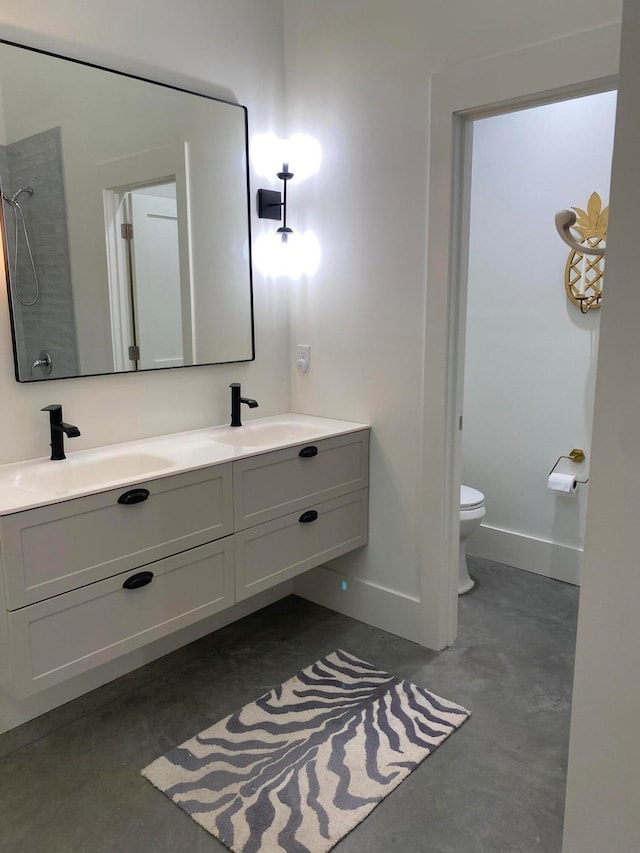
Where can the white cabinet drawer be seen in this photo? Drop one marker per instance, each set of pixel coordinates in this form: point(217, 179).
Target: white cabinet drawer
point(278, 550)
point(71, 633)
point(272, 484)
point(54, 549)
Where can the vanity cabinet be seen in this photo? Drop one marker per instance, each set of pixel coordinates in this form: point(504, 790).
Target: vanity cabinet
point(68, 634)
point(279, 550)
point(296, 508)
point(91, 578)
point(54, 549)
point(272, 484)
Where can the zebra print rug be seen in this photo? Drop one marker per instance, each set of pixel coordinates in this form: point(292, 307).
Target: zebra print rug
point(296, 770)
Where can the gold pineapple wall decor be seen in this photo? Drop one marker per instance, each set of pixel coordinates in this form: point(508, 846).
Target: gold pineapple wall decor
point(583, 276)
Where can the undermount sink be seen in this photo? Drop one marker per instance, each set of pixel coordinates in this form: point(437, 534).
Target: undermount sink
point(259, 434)
point(77, 472)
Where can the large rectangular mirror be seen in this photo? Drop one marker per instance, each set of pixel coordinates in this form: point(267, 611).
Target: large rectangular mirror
point(125, 207)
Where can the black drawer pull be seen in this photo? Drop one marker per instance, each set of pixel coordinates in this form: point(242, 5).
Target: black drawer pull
point(135, 496)
point(136, 581)
point(309, 515)
point(308, 451)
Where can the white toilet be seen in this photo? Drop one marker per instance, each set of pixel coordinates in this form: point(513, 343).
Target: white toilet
point(472, 512)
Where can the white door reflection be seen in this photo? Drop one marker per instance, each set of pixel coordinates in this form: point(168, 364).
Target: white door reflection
point(155, 278)
point(146, 292)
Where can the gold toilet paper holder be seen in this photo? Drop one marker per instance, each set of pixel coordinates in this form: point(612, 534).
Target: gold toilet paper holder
point(576, 455)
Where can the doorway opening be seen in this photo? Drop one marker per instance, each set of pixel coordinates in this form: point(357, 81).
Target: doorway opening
point(529, 352)
point(533, 76)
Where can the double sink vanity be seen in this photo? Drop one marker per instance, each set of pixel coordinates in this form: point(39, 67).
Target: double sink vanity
point(115, 547)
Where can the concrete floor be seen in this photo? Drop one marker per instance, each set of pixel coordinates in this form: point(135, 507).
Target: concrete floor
point(69, 781)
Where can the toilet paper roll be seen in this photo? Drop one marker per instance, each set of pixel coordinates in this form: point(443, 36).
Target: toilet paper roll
point(562, 483)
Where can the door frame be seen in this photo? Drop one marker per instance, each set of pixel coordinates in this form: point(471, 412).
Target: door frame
point(581, 64)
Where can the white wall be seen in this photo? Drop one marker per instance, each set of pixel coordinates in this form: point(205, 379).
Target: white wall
point(530, 359)
point(358, 77)
point(226, 47)
point(232, 48)
point(603, 788)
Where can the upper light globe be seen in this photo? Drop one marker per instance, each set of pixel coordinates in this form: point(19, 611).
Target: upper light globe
point(301, 152)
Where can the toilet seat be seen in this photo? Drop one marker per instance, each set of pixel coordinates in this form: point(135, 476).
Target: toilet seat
point(470, 498)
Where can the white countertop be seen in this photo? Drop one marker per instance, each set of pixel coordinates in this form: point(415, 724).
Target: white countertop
point(39, 482)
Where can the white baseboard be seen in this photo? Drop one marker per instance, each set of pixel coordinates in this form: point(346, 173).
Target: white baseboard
point(383, 608)
point(561, 562)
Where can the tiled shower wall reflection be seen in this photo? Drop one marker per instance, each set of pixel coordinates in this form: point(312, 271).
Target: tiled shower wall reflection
point(49, 324)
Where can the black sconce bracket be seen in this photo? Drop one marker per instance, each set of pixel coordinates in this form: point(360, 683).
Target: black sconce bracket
point(273, 205)
point(270, 204)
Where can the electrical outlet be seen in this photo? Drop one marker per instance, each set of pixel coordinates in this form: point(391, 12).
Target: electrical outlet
point(303, 358)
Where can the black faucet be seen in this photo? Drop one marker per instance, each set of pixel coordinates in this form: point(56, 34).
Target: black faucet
point(58, 430)
point(236, 400)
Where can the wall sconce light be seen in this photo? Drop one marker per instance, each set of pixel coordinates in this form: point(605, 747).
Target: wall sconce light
point(273, 205)
point(284, 253)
